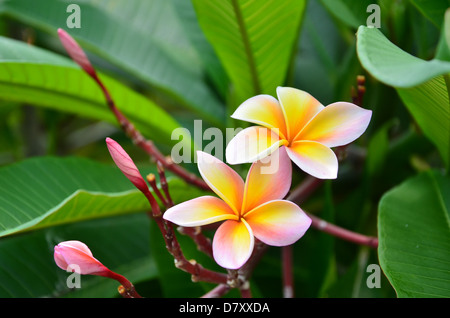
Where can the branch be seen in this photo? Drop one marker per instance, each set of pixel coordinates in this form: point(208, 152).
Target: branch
point(217, 291)
point(288, 277)
point(342, 233)
point(195, 233)
point(198, 273)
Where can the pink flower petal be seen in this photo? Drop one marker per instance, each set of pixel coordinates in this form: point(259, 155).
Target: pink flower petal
point(268, 181)
point(252, 144)
point(223, 180)
point(314, 158)
point(126, 164)
point(263, 110)
point(298, 108)
point(78, 257)
point(233, 244)
point(77, 245)
point(337, 124)
point(199, 211)
point(278, 223)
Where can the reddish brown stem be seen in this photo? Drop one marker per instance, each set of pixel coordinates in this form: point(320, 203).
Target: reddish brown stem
point(147, 145)
point(218, 291)
point(288, 277)
point(198, 273)
point(152, 181)
point(164, 184)
point(245, 290)
point(305, 189)
point(203, 243)
point(342, 233)
point(126, 289)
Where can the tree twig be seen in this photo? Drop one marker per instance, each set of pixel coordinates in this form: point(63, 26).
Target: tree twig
point(288, 277)
point(218, 291)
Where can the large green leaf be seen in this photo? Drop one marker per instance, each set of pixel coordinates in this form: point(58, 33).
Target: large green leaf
point(422, 85)
point(28, 269)
point(430, 106)
point(391, 65)
point(213, 67)
point(46, 191)
point(142, 37)
point(414, 236)
point(31, 75)
point(254, 41)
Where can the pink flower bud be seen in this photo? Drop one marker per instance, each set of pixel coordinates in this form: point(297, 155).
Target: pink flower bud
point(76, 256)
point(126, 165)
point(76, 52)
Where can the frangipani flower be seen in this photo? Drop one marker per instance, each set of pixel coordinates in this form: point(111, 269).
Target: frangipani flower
point(249, 209)
point(300, 124)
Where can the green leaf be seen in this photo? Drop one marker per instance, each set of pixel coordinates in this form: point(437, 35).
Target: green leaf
point(393, 66)
point(31, 75)
point(414, 236)
point(46, 191)
point(143, 38)
point(430, 106)
point(254, 42)
point(421, 84)
point(213, 67)
point(121, 243)
point(432, 10)
point(443, 48)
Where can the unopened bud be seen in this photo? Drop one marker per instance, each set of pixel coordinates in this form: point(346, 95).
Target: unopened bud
point(76, 52)
point(77, 253)
point(126, 165)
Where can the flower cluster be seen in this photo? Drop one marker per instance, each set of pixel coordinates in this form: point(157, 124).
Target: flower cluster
point(296, 128)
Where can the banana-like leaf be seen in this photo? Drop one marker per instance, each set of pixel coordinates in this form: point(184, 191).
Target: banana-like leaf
point(422, 85)
point(254, 41)
point(142, 37)
point(414, 236)
point(48, 191)
point(38, 77)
